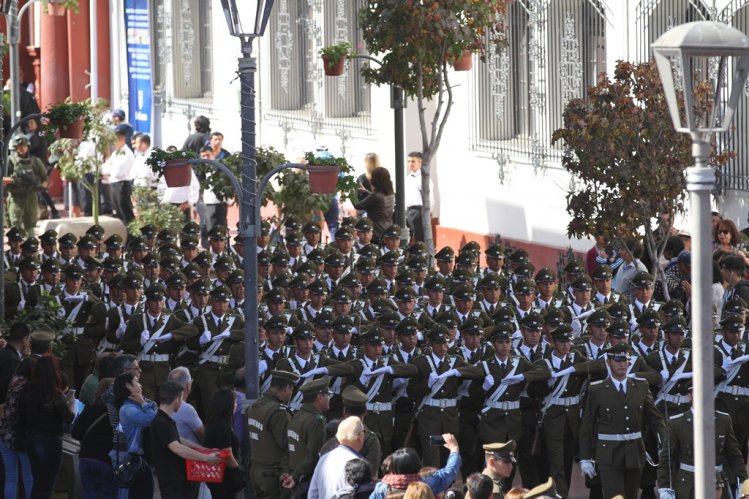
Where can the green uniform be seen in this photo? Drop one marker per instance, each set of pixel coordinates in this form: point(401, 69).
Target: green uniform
point(27, 174)
point(17, 292)
point(77, 362)
point(497, 491)
point(268, 420)
point(680, 475)
point(611, 433)
point(305, 434)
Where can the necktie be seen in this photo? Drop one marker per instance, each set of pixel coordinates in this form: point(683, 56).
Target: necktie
point(276, 357)
point(491, 308)
point(502, 369)
point(472, 358)
point(531, 353)
point(605, 300)
point(442, 366)
point(434, 312)
point(341, 356)
point(621, 388)
point(734, 352)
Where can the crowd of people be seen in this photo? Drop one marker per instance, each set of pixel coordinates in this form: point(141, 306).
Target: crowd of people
point(384, 371)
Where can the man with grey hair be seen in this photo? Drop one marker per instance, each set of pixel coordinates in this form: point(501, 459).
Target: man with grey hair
point(189, 425)
point(330, 472)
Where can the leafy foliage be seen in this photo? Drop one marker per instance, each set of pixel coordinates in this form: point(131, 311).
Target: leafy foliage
point(620, 143)
point(217, 181)
point(152, 211)
point(333, 53)
point(158, 158)
point(66, 113)
point(48, 315)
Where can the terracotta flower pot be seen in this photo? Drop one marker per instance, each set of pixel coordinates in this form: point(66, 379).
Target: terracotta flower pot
point(72, 130)
point(464, 62)
point(55, 9)
point(323, 179)
point(177, 173)
point(333, 70)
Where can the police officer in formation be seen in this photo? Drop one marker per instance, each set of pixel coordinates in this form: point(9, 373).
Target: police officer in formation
point(565, 371)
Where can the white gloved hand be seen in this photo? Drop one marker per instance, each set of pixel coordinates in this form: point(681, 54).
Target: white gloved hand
point(315, 372)
point(397, 383)
point(450, 373)
point(665, 374)
point(488, 382)
point(433, 377)
point(120, 331)
point(511, 380)
point(681, 376)
point(365, 377)
point(205, 337)
point(221, 336)
point(164, 337)
point(666, 494)
point(262, 367)
point(381, 370)
point(741, 360)
point(21, 305)
point(727, 364)
point(563, 372)
point(577, 327)
point(144, 337)
point(588, 468)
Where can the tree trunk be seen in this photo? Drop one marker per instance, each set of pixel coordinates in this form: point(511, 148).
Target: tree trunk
point(426, 206)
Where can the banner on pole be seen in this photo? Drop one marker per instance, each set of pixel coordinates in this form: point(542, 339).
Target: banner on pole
point(139, 68)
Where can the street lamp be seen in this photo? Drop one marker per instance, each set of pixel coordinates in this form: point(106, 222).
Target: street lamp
point(687, 57)
point(247, 20)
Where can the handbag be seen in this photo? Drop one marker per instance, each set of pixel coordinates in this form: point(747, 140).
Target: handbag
point(127, 472)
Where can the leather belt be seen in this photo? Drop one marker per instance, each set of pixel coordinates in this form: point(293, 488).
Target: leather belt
point(565, 401)
point(620, 437)
point(153, 357)
point(379, 406)
point(441, 403)
point(503, 406)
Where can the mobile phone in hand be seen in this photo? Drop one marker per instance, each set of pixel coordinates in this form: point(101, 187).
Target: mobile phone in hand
point(435, 440)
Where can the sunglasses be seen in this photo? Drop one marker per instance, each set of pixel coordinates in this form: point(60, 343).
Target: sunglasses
point(724, 231)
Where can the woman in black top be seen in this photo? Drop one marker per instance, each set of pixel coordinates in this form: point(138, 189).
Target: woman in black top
point(371, 161)
point(46, 410)
point(380, 203)
point(220, 435)
point(93, 430)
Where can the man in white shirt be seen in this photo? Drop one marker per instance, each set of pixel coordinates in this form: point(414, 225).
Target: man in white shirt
point(119, 168)
point(143, 176)
point(330, 473)
point(413, 196)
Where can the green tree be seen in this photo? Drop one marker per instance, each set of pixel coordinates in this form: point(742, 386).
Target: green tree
point(621, 147)
point(417, 41)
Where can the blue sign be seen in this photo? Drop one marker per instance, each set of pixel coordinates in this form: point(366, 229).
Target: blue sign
point(139, 73)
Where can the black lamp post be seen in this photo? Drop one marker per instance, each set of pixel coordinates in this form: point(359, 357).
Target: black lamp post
point(247, 20)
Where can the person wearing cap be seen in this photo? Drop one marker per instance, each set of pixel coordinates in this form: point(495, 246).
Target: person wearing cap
point(492, 287)
point(405, 301)
point(523, 296)
point(344, 245)
point(312, 235)
point(674, 364)
point(594, 342)
point(676, 459)
point(274, 350)
point(618, 413)
point(216, 242)
point(436, 387)
point(405, 351)
point(48, 240)
point(340, 350)
point(501, 416)
point(176, 287)
point(16, 235)
point(435, 289)
point(604, 293)
point(559, 418)
point(76, 305)
point(581, 307)
point(92, 282)
point(495, 260)
point(275, 300)
point(445, 261)
point(732, 392)
point(648, 325)
point(268, 420)
point(364, 233)
point(499, 462)
point(316, 303)
point(547, 490)
point(50, 278)
point(306, 432)
point(152, 336)
point(27, 175)
point(464, 300)
point(548, 295)
point(642, 295)
point(323, 332)
point(334, 266)
point(24, 293)
point(109, 329)
point(377, 375)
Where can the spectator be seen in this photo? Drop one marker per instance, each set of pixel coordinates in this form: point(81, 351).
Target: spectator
point(119, 169)
point(379, 203)
point(479, 487)
point(330, 475)
point(418, 490)
point(727, 237)
point(92, 429)
point(631, 252)
point(45, 412)
point(200, 137)
point(602, 253)
point(119, 120)
point(136, 414)
point(371, 161)
point(168, 451)
point(189, 425)
point(516, 493)
point(11, 440)
point(220, 435)
point(358, 480)
point(17, 346)
point(216, 143)
point(143, 176)
point(90, 384)
point(405, 468)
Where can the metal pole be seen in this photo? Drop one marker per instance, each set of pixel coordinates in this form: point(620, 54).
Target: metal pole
point(397, 102)
point(93, 32)
point(15, 100)
point(249, 223)
point(700, 182)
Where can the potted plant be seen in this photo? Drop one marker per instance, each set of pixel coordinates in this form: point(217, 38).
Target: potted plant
point(172, 165)
point(334, 58)
point(323, 171)
point(58, 7)
point(68, 118)
point(464, 62)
